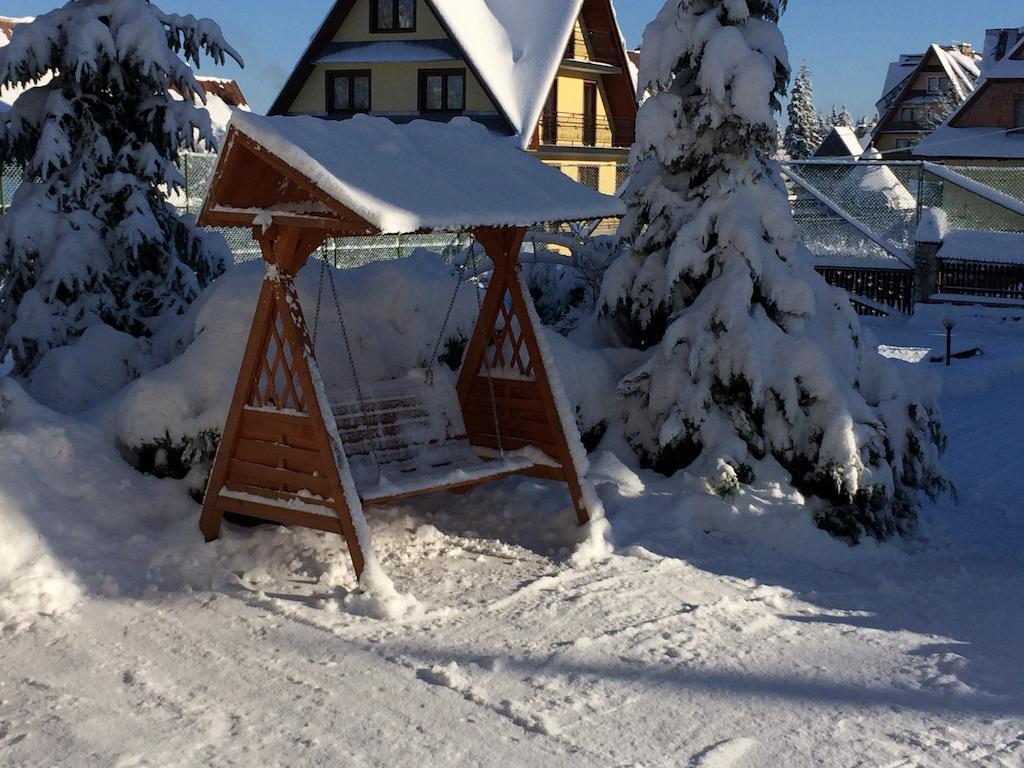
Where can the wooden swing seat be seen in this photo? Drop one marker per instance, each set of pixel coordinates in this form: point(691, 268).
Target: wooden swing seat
point(408, 442)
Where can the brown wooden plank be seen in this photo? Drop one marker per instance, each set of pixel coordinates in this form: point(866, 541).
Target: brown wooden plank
point(279, 455)
point(283, 496)
point(507, 410)
point(506, 388)
point(296, 431)
point(535, 433)
point(277, 479)
point(280, 515)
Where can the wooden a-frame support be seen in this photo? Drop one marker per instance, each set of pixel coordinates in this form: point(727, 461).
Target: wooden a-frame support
point(281, 460)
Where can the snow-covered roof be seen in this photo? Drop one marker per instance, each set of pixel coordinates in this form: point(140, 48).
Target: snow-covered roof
point(962, 68)
point(389, 51)
point(841, 141)
point(999, 42)
point(991, 143)
point(1009, 67)
point(424, 175)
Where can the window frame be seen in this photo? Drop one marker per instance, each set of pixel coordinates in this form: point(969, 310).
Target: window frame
point(395, 30)
point(1018, 114)
point(350, 74)
point(444, 74)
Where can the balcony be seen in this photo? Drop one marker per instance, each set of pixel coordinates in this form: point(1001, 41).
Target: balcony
point(570, 129)
point(595, 47)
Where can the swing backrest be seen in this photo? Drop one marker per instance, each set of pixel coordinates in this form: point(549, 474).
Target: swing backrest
point(396, 423)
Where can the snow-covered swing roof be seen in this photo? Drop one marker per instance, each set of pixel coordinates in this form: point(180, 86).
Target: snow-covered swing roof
point(368, 176)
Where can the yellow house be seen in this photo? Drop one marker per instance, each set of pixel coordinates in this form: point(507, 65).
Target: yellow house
point(554, 74)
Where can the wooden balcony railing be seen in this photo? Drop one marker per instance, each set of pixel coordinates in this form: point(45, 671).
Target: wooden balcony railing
point(600, 47)
point(570, 129)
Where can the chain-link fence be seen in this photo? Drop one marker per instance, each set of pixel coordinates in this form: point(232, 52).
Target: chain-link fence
point(10, 178)
point(867, 213)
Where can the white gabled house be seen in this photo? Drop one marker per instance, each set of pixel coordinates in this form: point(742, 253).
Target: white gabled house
point(554, 74)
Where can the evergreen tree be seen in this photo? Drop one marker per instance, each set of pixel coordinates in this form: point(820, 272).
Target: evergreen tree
point(755, 362)
point(804, 132)
point(838, 118)
point(90, 238)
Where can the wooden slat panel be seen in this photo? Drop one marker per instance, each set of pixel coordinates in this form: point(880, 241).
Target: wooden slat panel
point(508, 410)
point(279, 515)
point(296, 431)
point(535, 433)
point(510, 388)
point(276, 479)
point(280, 456)
point(283, 496)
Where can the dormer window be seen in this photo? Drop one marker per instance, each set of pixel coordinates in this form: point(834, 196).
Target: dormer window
point(392, 15)
point(1018, 114)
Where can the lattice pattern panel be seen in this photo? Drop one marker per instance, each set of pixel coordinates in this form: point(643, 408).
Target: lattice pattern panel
point(507, 354)
point(276, 385)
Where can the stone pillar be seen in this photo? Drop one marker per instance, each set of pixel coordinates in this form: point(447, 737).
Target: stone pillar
point(926, 271)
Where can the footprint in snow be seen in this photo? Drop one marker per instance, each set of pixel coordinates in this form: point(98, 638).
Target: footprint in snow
point(724, 754)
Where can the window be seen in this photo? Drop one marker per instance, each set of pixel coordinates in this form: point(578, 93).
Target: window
point(590, 176)
point(1018, 114)
point(904, 143)
point(938, 84)
point(911, 115)
point(392, 15)
point(443, 90)
point(348, 92)
point(590, 114)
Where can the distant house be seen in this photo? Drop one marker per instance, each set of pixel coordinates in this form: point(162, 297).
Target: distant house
point(841, 142)
point(554, 74)
point(919, 90)
point(989, 127)
point(222, 96)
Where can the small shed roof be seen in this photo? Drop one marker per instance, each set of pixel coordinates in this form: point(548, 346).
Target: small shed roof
point(377, 177)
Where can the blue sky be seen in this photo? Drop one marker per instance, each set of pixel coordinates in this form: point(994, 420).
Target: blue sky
point(847, 44)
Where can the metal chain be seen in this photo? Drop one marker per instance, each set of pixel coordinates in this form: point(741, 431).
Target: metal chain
point(355, 371)
point(448, 315)
point(487, 362)
point(319, 302)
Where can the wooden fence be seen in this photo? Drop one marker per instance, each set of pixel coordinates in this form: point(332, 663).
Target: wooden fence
point(981, 278)
point(872, 290)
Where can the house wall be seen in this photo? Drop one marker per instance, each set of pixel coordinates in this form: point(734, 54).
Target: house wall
point(993, 107)
point(394, 89)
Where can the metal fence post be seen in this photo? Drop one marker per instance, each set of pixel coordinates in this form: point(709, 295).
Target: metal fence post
point(920, 193)
point(188, 189)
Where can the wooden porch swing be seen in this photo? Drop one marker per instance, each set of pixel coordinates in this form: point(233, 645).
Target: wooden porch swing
point(290, 455)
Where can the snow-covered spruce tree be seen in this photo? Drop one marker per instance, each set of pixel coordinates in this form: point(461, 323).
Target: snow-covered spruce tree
point(838, 118)
point(804, 132)
point(755, 359)
point(92, 239)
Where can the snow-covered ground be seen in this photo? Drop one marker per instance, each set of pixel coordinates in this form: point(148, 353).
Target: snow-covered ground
point(716, 636)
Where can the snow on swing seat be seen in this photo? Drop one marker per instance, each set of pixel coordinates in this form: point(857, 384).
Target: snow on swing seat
point(405, 437)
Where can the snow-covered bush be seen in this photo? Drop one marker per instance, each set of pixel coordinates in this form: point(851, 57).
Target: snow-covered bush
point(755, 359)
point(805, 130)
point(91, 239)
point(566, 286)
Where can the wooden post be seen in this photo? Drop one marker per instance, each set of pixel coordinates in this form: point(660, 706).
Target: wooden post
point(269, 486)
point(505, 294)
